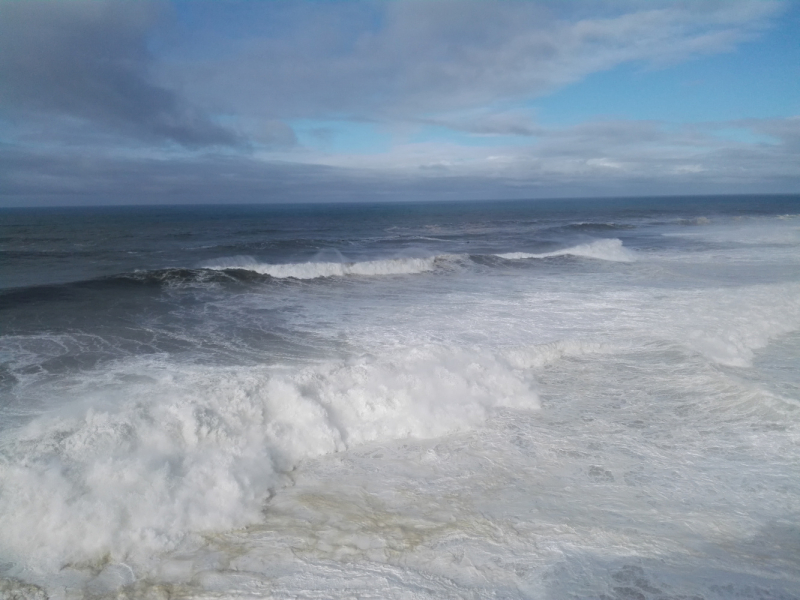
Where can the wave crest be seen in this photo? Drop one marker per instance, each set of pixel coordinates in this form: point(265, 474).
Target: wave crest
point(609, 249)
point(313, 270)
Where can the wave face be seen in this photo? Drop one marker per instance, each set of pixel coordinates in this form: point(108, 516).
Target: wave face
point(325, 401)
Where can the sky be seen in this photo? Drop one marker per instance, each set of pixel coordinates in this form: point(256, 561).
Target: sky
point(138, 102)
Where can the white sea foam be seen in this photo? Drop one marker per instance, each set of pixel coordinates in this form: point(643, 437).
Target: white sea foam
point(312, 270)
point(531, 357)
point(729, 326)
point(609, 249)
point(155, 453)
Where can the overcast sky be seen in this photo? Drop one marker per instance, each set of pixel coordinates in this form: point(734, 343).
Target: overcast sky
point(179, 102)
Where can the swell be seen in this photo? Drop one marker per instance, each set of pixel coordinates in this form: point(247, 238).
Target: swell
point(154, 279)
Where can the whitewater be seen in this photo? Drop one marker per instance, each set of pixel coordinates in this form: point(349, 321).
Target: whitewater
point(572, 399)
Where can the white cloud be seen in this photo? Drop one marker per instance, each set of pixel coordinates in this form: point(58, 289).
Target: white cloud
point(406, 59)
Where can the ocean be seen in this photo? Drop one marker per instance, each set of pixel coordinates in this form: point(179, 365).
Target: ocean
point(574, 399)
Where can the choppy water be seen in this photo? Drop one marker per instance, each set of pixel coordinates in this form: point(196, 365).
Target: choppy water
point(565, 399)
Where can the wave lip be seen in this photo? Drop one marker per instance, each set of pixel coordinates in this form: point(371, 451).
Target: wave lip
point(608, 249)
point(313, 270)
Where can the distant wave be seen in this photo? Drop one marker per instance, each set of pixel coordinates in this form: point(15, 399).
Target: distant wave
point(611, 249)
point(588, 226)
point(313, 270)
point(695, 221)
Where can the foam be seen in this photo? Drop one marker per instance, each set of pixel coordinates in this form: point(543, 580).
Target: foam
point(609, 249)
point(749, 232)
point(729, 326)
point(155, 454)
point(542, 355)
point(313, 270)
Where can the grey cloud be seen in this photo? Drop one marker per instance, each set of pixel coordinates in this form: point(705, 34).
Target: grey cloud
point(89, 61)
point(37, 178)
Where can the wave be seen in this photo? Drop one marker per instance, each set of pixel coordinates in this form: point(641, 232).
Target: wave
point(695, 221)
point(246, 269)
point(158, 278)
point(236, 269)
point(313, 270)
point(597, 226)
point(609, 249)
point(154, 454)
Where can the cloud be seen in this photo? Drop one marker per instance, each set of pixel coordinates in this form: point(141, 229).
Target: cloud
point(405, 59)
point(489, 123)
point(132, 102)
point(592, 159)
point(87, 63)
point(604, 154)
point(94, 65)
point(785, 131)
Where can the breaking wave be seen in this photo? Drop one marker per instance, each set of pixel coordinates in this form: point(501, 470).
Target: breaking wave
point(610, 249)
point(313, 270)
point(595, 227)
point(155, 454)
